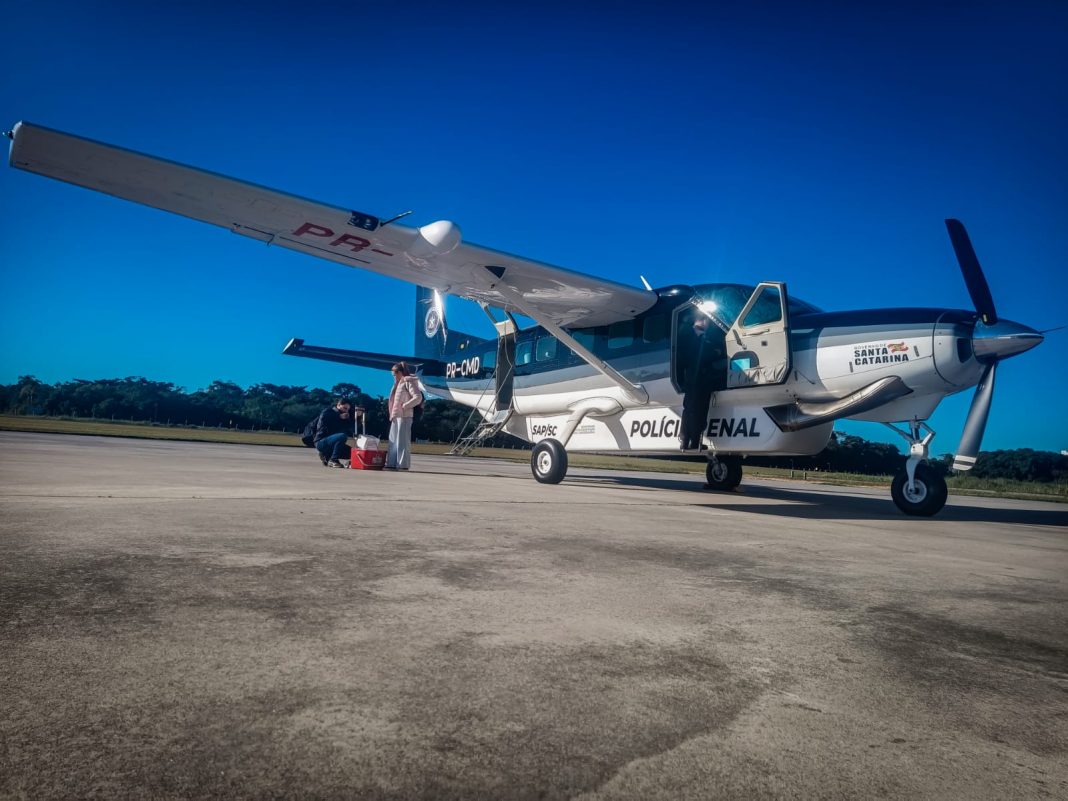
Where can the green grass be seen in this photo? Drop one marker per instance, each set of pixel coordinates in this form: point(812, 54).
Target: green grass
point(958, 485)
point(1007, 488)
point(102, 428)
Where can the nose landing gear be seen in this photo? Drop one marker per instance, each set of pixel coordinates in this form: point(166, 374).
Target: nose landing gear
point(918, 490)
point(925, 497)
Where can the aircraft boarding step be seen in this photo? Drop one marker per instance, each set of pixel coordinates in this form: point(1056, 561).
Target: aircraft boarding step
point(486, 429)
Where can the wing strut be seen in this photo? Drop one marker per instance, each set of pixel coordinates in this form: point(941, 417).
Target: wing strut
point(636, 392)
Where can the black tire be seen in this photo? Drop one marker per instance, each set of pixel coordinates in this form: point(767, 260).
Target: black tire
point(723, 473)
point(548, 462)
point(929, 496)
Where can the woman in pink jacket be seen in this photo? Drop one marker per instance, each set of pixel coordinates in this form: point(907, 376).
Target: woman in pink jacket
point(403, 399)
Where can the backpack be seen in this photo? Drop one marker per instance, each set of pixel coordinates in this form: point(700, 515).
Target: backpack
point(417, 411)
point(308, 435)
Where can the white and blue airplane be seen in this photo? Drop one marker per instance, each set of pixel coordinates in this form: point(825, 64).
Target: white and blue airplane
point(610, 367)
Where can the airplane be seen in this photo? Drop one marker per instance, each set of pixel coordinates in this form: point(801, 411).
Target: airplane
point(609, 367)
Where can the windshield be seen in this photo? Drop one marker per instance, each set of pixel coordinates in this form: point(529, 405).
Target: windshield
point(731, 298)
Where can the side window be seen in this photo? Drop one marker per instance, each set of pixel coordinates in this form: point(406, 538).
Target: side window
point(523, 353)
point(656, 328)
point(587, 337)
point(767, 309)
point(546, 349)
point(621, 334)
point(489, 359)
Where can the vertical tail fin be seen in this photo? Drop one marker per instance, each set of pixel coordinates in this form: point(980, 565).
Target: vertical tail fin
point(433, 338)
point(431, 333)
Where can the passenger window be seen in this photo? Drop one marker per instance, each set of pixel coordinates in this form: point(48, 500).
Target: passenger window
point(767, 309)
point(656, 328)
point(621, 334)
point(546, 349)
point(489, 359)
point(523, 353)
point(585, 337)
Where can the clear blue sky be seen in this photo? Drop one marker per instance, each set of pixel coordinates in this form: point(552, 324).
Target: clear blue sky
point(817, 143)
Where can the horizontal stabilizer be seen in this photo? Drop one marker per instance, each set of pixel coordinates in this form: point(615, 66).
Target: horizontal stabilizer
point(360, 358)
point(806, 414)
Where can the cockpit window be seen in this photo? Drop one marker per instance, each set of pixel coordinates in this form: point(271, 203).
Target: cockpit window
point(724, 300)
point(729, 299)
point(766, 309)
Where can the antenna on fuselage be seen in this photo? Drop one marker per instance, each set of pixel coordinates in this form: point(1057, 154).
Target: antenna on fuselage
point(646, 283)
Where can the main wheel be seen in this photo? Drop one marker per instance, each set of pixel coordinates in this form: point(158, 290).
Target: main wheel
point(926, 498)
point(724, 472)
point(548, 462)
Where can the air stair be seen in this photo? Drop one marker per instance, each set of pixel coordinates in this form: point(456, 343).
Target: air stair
point(486, 429)
point(501, 388)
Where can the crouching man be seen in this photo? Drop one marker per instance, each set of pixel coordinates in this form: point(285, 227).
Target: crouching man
point(334, 426)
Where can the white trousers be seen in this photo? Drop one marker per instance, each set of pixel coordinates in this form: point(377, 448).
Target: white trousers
point(400, 443)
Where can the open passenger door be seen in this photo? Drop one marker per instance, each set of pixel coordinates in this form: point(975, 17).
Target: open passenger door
point(758, 343)
point(504, 375)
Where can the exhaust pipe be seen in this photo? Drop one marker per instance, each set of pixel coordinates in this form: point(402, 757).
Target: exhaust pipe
point(803, 414)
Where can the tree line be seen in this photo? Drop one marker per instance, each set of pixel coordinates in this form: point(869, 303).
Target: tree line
point(278, 407)
point(223, 404)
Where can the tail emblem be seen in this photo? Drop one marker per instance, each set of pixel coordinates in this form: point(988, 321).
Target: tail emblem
point(431, 323)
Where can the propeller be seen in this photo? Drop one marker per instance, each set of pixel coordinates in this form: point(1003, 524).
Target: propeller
point(973, 273)
point(975, 424)
point(992, 341)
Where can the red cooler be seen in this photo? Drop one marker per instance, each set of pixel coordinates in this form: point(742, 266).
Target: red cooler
point(367, 459)
point(365, 453)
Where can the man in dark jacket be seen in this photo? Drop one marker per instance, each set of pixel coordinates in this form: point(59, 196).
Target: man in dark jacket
point(705, 372)
point(334, 426)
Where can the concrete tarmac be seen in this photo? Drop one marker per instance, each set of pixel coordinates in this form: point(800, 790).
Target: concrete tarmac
point(182, 620)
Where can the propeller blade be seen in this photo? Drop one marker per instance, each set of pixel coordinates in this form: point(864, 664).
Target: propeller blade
point(972, 272)
point(975, 425)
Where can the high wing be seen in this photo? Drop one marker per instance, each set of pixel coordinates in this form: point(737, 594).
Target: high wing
point(432, 256)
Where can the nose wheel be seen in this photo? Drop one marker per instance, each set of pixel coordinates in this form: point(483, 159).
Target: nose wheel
point(924, 497)
point(918, 489)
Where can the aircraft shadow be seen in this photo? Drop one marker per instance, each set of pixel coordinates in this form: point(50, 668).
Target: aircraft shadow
point(826, 504)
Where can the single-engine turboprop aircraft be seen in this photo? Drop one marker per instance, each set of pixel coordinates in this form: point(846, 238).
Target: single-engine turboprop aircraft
point(610, 367)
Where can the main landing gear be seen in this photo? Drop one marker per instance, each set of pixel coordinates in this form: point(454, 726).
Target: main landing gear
point(548, 462)
point(918, 489)
point(723, 472)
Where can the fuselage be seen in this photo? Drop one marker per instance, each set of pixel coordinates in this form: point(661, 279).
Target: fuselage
point(831, 355)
